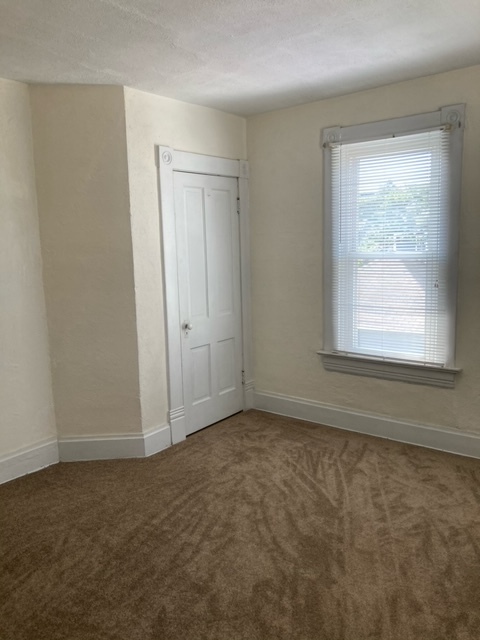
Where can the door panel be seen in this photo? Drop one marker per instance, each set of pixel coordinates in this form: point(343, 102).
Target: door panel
point(226, 365)
point(202, 373)
point(223, 274)
point(197, 253)
point(208, 253)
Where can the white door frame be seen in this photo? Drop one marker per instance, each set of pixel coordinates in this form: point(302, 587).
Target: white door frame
point(168, 161)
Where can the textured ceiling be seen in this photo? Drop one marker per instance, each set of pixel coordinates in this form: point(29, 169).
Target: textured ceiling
point(243, 57)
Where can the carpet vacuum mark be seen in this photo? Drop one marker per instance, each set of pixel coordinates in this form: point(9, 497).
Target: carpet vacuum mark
point(258, 528)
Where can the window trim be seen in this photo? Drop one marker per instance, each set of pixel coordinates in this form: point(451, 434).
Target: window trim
point(442, 376)
point(390, 369)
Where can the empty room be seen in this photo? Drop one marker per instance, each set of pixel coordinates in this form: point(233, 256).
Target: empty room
point(239, 318)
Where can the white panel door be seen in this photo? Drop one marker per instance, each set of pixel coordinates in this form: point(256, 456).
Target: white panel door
point(208, 250)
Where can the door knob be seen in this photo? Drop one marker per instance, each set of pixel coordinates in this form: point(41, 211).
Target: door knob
point(187, 326)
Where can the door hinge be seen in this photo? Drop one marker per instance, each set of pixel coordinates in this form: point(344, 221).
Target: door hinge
point(238, 206)
point(243, 376)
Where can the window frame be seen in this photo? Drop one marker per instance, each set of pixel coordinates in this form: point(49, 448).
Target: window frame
point(452, 117)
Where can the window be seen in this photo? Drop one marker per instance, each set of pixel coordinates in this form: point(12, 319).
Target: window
point(391, 208)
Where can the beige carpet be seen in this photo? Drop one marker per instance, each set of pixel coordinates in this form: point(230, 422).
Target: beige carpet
point(258, 528)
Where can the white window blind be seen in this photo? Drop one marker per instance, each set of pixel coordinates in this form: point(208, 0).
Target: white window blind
point(391, 254)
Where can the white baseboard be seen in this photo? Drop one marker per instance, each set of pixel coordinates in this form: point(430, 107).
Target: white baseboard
point(110, 447)
point(27, 460)
point(458, 442)
point(157, 440)
point(177, 421)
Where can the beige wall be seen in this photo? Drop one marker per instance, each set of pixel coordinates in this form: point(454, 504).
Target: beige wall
point(26, 405)
point(152, 120)
point(286, 217)
point(98, 206)
point(82, 181)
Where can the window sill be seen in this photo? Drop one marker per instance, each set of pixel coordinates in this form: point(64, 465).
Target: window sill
point(400, 371)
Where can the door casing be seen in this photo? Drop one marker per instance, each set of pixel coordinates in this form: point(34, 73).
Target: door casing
point(168, 161)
